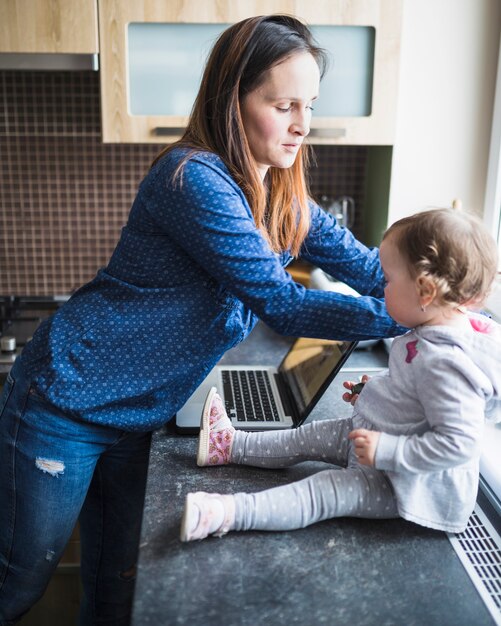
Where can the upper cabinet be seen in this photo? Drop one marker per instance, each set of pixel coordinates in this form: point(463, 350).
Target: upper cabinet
point(152, 56)
point(49, 26)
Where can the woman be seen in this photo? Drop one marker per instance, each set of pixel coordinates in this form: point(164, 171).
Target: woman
point(202, 257)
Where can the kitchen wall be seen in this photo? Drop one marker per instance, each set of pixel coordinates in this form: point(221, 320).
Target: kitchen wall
point(64, 195)
point(448, 61)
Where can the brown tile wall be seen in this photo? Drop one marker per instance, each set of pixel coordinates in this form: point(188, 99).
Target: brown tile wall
point(64, 195)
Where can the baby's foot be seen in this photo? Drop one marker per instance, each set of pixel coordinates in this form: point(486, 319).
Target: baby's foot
point(216, 432)
point(207, 514)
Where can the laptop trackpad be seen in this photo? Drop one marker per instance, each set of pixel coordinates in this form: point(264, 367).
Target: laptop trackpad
point(189, 416)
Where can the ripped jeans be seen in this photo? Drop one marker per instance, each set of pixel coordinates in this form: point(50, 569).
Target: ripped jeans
point(55, 470)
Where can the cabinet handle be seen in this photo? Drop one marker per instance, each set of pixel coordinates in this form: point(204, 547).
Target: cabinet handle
point(168, 131)
point(328, 133)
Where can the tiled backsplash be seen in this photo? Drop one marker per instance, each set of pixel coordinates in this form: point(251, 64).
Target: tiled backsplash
point(64, 195)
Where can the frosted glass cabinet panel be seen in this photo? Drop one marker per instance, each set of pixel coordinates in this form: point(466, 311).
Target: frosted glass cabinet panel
point(152, 56)
point(166, 62)
point(165, 65)
point(346, 89)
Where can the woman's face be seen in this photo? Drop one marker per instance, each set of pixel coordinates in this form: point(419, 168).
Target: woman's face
point(277, 114)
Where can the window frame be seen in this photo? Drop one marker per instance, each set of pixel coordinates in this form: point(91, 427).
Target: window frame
point(492, 202)
point(490, 469)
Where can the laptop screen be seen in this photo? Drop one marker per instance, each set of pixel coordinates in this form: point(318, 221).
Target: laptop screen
point(309, 367)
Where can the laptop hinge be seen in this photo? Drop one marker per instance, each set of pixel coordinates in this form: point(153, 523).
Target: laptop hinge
point(286, 398)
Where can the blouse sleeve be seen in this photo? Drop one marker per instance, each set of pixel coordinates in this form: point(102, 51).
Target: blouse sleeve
point(336, 251)
point(209, 218)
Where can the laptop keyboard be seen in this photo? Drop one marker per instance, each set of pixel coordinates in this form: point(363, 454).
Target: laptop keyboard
point(248, 396)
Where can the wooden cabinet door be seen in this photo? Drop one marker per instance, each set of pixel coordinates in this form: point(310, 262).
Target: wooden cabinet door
point(120, 124)
point(49, 26)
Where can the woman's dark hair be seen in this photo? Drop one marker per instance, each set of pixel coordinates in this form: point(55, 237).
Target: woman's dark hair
point(236, 66)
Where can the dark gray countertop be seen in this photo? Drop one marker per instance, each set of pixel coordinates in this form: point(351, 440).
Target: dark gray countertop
point(341, 571)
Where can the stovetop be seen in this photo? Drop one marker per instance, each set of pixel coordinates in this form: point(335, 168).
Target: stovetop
point(19, 318)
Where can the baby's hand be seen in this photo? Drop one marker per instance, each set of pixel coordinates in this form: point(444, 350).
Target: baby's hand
point(354, 388)
point(365, 445)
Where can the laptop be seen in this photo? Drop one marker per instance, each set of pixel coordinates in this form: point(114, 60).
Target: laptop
point(261, 398)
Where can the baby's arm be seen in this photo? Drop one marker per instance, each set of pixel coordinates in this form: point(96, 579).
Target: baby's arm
point(450, 392)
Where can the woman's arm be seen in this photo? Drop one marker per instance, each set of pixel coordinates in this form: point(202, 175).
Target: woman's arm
point(337, 252)
point(209, 217)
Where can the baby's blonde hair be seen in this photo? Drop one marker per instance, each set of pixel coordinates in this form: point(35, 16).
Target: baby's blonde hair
point(453, 249)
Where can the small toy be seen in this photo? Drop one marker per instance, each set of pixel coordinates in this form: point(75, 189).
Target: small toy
point(357, 388)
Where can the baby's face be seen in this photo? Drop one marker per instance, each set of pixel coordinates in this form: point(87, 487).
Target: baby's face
point(401, 292)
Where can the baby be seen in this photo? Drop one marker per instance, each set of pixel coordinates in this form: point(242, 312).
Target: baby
point(411, 447)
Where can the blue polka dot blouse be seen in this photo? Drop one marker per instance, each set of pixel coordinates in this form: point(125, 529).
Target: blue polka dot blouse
point(187, 281)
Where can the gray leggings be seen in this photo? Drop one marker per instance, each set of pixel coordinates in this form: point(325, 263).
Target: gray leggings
point(353, 490)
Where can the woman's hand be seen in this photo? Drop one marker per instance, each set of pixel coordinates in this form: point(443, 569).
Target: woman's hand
point(365, 445)
point(352, 396)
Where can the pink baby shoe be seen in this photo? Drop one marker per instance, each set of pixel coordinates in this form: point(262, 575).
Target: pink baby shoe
point(216, 432)
point(207, 514)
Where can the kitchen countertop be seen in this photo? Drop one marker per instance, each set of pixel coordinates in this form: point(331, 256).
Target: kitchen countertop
point(337, 572)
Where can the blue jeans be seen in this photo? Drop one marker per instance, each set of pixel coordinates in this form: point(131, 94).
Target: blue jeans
point(55, 469)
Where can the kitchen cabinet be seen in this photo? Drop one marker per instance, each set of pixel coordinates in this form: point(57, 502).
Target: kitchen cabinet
point(350, 29)
point(49, 26)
